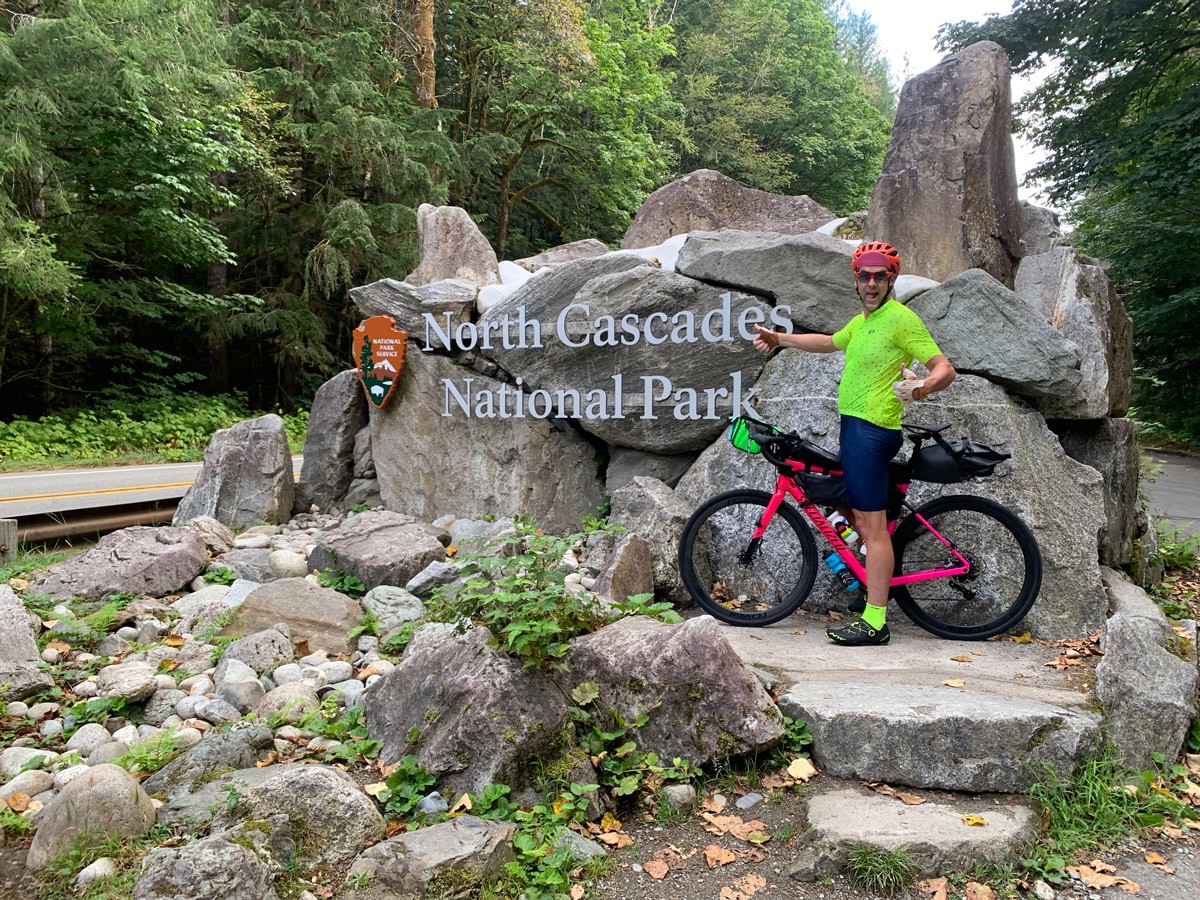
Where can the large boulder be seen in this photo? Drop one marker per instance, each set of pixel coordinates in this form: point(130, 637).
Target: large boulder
point(702, 704)
point(138, 560)
point(985, 329)
point(433, 458)
point(1041, 231)
point(246, 477)
point(450, 303)
point(212, 868)
point(103, 802)
point(1075, 295)
point(809, 274)
point(1146, 680)
point(471, 715)
point(947, 196)
point(1110, 447)
point(317, 614)
point(564, 253)
point(338, 413)
point(654, 360)
point(448, 857)
point(1038, 483)
point(19, 673)
point(330, 818)
point(625, 464)
point(706, 200)
point(380, 547)
point(452, 246)
point(240, 749)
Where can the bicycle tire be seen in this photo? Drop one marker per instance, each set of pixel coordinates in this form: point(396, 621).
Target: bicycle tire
point(769, 586)
point(1005, 576)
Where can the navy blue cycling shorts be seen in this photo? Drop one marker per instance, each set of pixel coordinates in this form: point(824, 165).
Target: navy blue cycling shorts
point(866, 450)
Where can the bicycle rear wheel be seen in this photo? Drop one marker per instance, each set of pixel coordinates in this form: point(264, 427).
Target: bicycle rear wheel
point(740, 580)
point(999, 589)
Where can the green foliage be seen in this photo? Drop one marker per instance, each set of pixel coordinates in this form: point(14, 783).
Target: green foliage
point(152, 754)
point(797, 737)
point(56, 881)
point(1119, 119)
point(644, 605)
point(13, 825)
point(522, 598)
point(29, 562)
point(220, 575)
point(1193, 737)
point(879, 870)
point(1100, 805)
point(396, 644)
point(349, 726)
point(342, 582)
point(99, 709)
point(369, 625)
point(1177, 547)
point(407, 785)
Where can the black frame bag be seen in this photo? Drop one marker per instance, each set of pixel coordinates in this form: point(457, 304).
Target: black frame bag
point(949, 462)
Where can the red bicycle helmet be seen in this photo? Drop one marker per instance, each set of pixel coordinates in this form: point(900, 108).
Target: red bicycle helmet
point(876, 253)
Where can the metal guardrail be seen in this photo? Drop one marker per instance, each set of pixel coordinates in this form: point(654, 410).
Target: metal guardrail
point(57, 527)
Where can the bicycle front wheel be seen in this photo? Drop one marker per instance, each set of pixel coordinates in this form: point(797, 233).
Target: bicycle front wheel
point(1005, 573)
point(737, 578)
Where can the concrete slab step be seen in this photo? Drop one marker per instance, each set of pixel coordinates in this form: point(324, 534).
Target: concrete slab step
point(885, 714)
point(934, 834)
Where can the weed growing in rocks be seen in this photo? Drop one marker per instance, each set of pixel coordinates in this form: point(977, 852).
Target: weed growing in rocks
point(876, 869)
point(58, 879)
point(221, 575)
point(406, 786)
point(342, 582)
point(151, 754)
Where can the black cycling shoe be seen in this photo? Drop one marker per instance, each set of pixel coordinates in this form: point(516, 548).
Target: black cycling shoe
point(857, 604)
point(859, 634)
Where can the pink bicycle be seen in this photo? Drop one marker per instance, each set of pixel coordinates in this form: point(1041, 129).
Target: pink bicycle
point(967, 568)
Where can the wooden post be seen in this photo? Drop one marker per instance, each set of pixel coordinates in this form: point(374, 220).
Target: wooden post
point(8, 541)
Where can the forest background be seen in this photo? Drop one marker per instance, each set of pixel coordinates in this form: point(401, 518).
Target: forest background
point(188, 188)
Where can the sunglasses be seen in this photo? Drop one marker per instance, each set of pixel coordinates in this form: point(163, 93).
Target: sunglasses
point(868, 277)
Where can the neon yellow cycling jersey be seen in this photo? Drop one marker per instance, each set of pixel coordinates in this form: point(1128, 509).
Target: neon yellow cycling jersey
point(876, 348)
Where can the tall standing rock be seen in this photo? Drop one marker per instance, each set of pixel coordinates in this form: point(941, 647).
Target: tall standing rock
point(246, 478)
point(338, 413)
point(452, 246)
point(19, 673)
point(947, 197)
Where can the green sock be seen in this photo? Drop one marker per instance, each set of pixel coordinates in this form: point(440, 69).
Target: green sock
point(875, 616)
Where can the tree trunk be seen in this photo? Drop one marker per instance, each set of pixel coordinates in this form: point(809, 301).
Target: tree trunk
point(424, 68)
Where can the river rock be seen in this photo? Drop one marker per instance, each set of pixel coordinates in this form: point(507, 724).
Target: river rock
point(289, 702)
point(393, 606)
point(471, 715)
point(262, 651)
point(216, 536)
point(133, 682)
point(628, 570)
point(246, 477)
point(510, 466)
point(706, 200)
point(1075, 295)
point(947, 196)
point(237, 749)
point(452, 246)
point(139, 560)
point(19, 673)
point(464, 851)
point(649, 508)
point(676, 385)
point(104, 801)
point(323, 616)
point(380, 547)
point(339, 412)
point(703, 704)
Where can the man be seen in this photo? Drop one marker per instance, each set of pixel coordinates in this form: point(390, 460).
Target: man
point(879, 343)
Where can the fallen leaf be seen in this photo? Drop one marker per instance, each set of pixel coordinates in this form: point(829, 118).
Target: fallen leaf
point(672, 857)
point(954, 683)
point(60, 646)
point(777, 781)
point(728, 893)
point(18, 802)
point(751, 884)
point(450, 551)
point(1155, 858)
point(979, 653)
point(656, 869)
point(836, 616)
point(577, 892)
point(798, 631)
point(962, 658)
point(1025, 638)
point(168, 665)
point(753, 854)
point(610, 822)
point(1192, 761)
point(974, 821)
point(713, 805)
point(301, 647)
point(977, 891)
point(751, 832)
point(1101, 866)
point(910, 799)
point(719, 825)
point(934, 888)
point(394, 828)
point(718, 856)
point(463, 804)
point(269, 760)
point(19, 584)
point(615, 839)
point(802, 769)
point(174, 640)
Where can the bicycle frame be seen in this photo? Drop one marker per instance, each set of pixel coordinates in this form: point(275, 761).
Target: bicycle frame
point(787, 487)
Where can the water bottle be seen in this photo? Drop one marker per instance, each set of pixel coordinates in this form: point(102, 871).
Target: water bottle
point(844, 529)
point(843, 573)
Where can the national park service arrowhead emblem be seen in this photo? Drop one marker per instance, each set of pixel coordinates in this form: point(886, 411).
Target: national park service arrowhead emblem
point(379, 348)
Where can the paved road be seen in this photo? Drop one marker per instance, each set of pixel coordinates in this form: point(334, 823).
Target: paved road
point(29, 493)
point(1176, 492)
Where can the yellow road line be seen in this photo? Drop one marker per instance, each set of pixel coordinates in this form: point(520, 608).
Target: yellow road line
point(92, 493)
